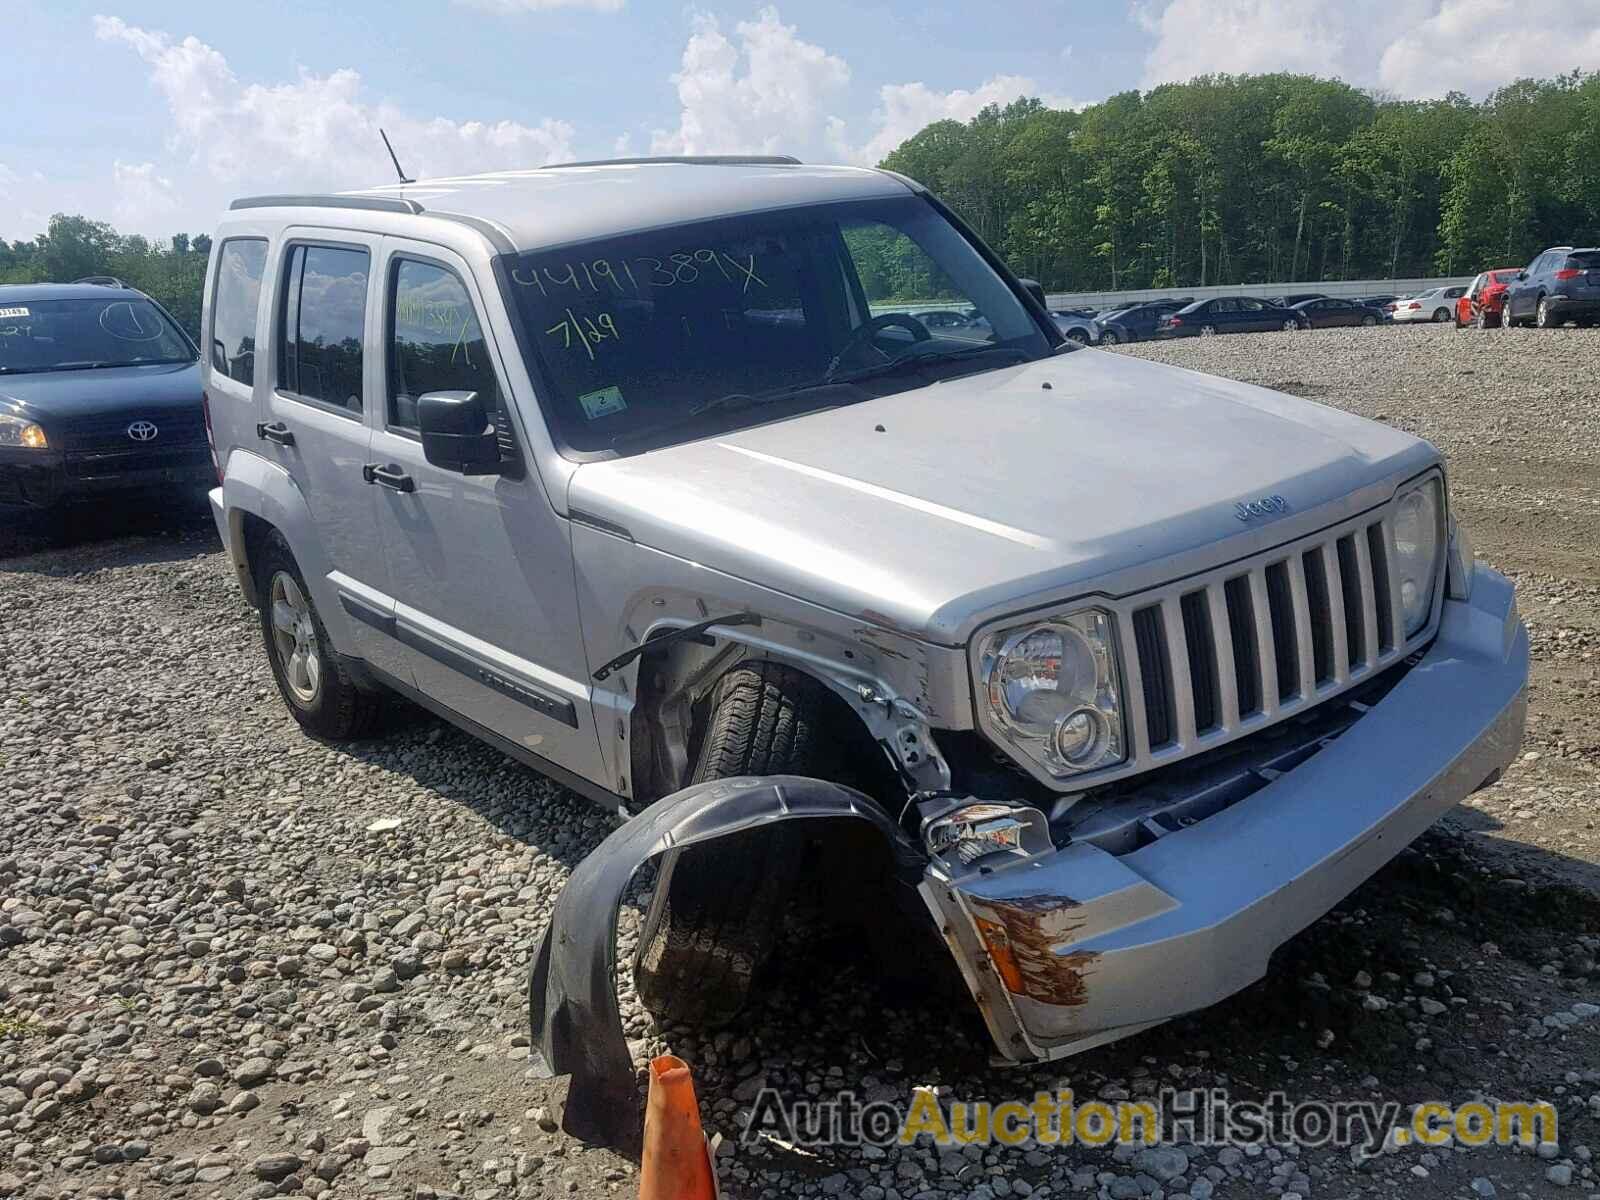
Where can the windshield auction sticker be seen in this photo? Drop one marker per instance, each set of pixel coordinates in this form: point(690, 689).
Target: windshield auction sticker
point(12, 312)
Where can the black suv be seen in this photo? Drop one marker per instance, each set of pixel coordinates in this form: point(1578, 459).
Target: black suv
point(99, 392)
point(1561, 285)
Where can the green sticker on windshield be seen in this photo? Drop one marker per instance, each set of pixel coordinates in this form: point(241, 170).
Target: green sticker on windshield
point(602, 403)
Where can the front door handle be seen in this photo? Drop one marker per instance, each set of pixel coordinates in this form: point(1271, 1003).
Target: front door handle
point(390, 476)
point(276, 432)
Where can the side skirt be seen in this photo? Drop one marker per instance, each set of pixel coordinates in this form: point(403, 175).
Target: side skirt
point(567, 779)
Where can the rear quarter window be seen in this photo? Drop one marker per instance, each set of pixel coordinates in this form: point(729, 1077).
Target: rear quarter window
point(236, 299)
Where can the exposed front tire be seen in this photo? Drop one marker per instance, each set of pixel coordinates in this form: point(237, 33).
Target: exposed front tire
point(1369, 320)
point(313, 683)
point(1109, 338)
point(718, 907)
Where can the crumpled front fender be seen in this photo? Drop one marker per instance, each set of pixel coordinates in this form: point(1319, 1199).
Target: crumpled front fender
point(572, 996)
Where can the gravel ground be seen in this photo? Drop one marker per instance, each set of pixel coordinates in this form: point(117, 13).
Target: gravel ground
point(236, 962)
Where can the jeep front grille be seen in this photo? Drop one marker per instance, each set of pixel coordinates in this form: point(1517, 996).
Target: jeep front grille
point(1223, 653)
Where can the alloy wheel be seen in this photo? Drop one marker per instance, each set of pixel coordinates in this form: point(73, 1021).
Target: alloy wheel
point(295, 636)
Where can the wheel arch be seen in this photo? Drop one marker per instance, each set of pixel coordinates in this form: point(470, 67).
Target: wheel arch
point(672, 707)
point(260, 498)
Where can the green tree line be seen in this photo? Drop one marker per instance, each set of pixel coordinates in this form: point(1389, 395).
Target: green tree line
point(1224, 179)
point(1263, 178)
point(172, 272)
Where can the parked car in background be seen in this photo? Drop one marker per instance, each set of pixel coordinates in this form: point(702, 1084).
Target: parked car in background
point(945, 319)
point(1481, 303)
point(1297, 298)
point(1137, 323)
point(1081, 329)
point(1379, 302)
point(1229, 314)
point(1436, 304)
point(1328, 312)
point(99, 393)
point(1561, 285)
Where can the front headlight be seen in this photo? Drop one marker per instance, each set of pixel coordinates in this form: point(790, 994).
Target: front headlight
point(14, 431)
point(1418, 544)
point(1053, 690)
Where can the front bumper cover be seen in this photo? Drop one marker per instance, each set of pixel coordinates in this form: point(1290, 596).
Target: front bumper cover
point(1074, 947)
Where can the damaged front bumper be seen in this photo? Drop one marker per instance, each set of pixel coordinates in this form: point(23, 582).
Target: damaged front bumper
point(1067, 947)
point(1077, 947)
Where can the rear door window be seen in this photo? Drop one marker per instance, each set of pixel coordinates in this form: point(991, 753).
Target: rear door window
point(324, 320)
point(235, 301)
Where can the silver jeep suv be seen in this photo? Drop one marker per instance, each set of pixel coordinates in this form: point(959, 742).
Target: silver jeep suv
point(648, 474)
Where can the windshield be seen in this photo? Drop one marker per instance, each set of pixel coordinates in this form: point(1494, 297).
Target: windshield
point(660, 336)
point(74, 335)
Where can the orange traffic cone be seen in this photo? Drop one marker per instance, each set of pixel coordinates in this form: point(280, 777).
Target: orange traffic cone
point(676, 1164)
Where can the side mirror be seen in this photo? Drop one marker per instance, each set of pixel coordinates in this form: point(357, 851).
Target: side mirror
point(1035, 289)
point(1522, 276)
point(456, 433)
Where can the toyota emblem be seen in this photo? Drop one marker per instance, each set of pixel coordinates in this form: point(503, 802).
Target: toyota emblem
point(142, 431)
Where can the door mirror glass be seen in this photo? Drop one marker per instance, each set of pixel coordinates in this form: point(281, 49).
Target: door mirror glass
point(456, 433)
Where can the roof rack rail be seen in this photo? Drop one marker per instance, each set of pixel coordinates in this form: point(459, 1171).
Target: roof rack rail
point(391, 204)
point(693, 160)
point(101, 281)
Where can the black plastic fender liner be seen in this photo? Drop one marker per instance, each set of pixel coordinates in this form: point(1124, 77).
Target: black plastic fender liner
point(572, 997)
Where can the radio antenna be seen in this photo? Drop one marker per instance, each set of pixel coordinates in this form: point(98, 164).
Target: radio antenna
point(404, 178)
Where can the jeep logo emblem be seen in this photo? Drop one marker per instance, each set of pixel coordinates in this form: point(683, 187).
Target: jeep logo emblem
point(1265, 506)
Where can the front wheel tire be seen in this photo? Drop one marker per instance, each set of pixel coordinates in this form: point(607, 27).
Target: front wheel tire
point(718, 907)
point(316, 688)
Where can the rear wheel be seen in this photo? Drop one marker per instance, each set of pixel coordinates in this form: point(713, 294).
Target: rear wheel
point(718, 907)
point(1544, 316)
point(1441, 315)
point(1110, 338)
point(1078, 336)
point(1208, 331)
point(318, 690)
point(1369, 319)
point(1292, 326)
point(1488, 319)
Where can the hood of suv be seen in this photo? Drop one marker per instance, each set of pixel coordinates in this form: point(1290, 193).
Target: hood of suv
point(57, 398)
point(934, 510)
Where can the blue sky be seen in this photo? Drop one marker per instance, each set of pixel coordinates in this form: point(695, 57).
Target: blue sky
point(153, 116)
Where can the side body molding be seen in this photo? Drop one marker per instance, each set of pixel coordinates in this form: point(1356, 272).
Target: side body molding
point(572, 998)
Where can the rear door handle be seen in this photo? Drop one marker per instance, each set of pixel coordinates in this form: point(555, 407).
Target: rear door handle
point(390, 476)
point(276, 432)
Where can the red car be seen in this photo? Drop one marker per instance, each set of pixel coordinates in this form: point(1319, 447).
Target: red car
point(1485, 298)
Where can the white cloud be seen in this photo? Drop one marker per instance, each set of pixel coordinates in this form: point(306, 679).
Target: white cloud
point(317, 131)
point(768, 91)
point(770, 94)
point(905, 108)
point(143, 198)
point(507, 7)
point(1475, 46)
point(1414, 48)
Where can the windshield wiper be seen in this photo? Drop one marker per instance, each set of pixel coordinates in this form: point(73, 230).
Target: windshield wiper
point(896, 365)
